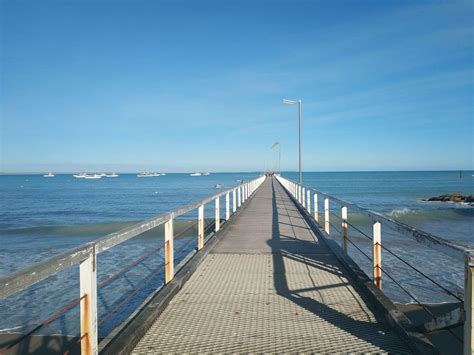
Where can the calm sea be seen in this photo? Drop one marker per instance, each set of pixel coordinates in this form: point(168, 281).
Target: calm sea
point(41, 217)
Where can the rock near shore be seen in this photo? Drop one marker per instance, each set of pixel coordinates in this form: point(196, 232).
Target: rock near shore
point(453, 198)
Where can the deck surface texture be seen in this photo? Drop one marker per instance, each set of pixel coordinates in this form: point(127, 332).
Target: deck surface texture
point(269, 285)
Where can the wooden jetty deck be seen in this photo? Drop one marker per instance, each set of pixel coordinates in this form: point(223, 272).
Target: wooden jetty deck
point(271, 284)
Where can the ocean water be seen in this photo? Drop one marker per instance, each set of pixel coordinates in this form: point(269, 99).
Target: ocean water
point(41, 217)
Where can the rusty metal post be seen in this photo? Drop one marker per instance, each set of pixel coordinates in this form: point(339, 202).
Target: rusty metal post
point(218, 215)
point(169, 250)
point(345, 242)
point(234, 202)
point(468, 343)
point(316, 212)
point(227, 207)
point(326, 215)
point(200, 227)
point(88, 305)
point(377, 253)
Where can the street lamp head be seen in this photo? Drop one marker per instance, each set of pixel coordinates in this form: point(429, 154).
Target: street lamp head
point(289, 102)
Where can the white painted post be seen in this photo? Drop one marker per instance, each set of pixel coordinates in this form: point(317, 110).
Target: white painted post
point(88, 305)
point(218, 215)
point(234, 202)
point(239, 196)
point(316, 212)
point(303, 197)
point(308, 199)
point(169, 250)
point(299, 194)
point(344, 229)
point(377, 253)
point(468, 305)
point(227, 207)
point(200, 227)
point(326, 215)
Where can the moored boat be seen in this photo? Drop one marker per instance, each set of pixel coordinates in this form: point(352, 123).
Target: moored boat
point(49, 175)
point(94, 176)
point(145, 174)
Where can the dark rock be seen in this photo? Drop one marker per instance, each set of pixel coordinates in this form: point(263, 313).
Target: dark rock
point(454, 197)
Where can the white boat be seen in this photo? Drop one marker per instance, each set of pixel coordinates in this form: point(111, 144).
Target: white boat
point(80, 175)
point(156, 174)
point(163, 174)
point(145, 174)
point(94, 176)
point(219, 186)
point(48, 175)
point(195, 174)
point(206, 173)
point(113, 175)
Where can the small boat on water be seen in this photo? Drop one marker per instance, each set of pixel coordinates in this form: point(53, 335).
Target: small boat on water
point(48, 175)
point(219, 186)
point(145, 174)
point(195, 174)
point(94, 176)
point(206, 173)
point(80, 175)
point(112, 175)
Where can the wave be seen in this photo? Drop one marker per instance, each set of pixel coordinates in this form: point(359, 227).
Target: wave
point(98, 229)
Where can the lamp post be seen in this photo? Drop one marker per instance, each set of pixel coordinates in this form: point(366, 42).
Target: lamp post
point(292, 102)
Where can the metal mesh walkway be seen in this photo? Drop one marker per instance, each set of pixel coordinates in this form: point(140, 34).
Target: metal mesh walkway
point(269, 285)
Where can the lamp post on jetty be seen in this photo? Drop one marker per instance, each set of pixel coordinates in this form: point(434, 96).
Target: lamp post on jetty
point(292, 102)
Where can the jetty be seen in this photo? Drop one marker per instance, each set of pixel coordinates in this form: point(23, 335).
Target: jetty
point(266, 278)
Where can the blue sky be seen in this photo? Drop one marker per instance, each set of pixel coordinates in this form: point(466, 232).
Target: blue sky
point(197, 85)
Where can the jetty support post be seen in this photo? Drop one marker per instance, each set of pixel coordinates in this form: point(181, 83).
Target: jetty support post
point(377, 253)
point(200, 227)
point(303, 197)
point(468, 304)
point(169, 250)
point(218, 216)
point(308, 199)
point(227, 207)
point(316, 212)
point(234, 202)
point(239, 197)
point(299, 194)
point(345, 241)
point(326, 215)
point(88, 303)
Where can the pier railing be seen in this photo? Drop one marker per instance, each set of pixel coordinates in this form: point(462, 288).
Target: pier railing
point(86, 257)
point(310, 200)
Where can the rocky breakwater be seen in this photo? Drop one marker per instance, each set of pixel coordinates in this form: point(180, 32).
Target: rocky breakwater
point(455, 197)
